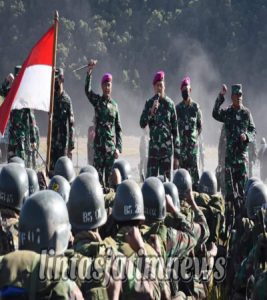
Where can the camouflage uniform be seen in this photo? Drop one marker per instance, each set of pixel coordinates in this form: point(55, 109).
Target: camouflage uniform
point(132, 287)
point(190, 125)
point(213, 209)
point(31, 154)
point(20, 272)
point(21, 132)
point(163, 136)
point(252, 265)
point(87, 245)
point(108, 128)
point(236, 122)
point(63, 128)
point(260, 287)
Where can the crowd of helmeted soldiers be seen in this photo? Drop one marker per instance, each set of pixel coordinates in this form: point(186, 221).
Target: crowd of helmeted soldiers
point(172, 236)
point(160, 219)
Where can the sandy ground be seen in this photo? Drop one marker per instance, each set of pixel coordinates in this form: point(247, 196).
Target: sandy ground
point(130, 153)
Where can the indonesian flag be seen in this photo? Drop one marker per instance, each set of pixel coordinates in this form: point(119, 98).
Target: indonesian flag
point(32, 86)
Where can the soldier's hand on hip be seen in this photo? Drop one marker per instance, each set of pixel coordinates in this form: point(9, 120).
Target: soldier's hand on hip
point(175, 163)
point(223, 90)
point(243, 137)
point(116, 154)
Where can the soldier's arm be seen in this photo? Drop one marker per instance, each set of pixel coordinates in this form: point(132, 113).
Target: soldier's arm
point(175, 133)
point(218, 113)
point(251, 131)
point(181, 242)
point(118, 131)
point(145, 116)
point(199, 121)
point(71, 128)
point(201, 228)
point(92, 97)
point(32, 124)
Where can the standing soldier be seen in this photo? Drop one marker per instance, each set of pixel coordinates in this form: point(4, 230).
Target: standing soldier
point(107, 145)
point(63, 122)
point(190, 125)
point(159, 114)
point(143, 152)
point(239, 131)
point(21, 130)
point(90, 143)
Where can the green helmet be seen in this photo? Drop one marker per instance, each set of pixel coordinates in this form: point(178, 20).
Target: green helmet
point(128, 204)
point(208, 183)
point(90, 169)
point(44, 223)
point(154, 199)
point(86, 203)
point(14, 186)
point(183, 182)
point(257, 198)
point(171, 189)
point(124, 167)
point(64, 167)
point(60, 185)
point(17, 160)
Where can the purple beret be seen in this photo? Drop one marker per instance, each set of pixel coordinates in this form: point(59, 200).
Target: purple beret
point(159, 76)
point(186, 81)
point(107, 77)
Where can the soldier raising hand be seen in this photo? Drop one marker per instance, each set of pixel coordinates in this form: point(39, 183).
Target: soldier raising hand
point(108, 133)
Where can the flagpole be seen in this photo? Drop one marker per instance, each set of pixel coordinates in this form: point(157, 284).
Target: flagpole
point(50, 120)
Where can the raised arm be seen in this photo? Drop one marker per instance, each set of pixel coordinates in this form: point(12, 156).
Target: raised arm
point(92, 97)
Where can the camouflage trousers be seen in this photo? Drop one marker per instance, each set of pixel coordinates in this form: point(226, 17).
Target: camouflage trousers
point(191, 165)
point(159, 166)
point(16, 150)
point(56, 153)
point(236, 176)
point(103, 162)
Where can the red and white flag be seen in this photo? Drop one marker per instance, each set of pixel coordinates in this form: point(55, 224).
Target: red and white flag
point(32, 86)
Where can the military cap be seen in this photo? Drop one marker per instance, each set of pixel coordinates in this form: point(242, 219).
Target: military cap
point(236, 89)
